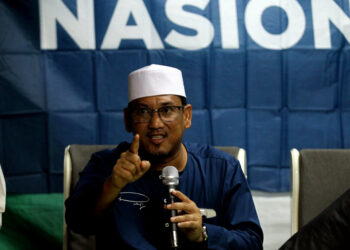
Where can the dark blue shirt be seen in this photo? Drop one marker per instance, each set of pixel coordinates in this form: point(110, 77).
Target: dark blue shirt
point(137, 220)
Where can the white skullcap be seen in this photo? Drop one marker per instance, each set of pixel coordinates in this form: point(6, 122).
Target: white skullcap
point(155, 80)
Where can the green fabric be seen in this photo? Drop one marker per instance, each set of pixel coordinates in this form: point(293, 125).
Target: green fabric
point(32, 221)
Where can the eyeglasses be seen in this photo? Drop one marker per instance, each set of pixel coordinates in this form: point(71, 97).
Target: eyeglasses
point(166, 114)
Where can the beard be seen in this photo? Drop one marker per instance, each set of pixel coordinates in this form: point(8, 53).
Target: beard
point(156, 156)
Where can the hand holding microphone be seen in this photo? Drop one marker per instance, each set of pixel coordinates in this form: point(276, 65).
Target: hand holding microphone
point(170, 178)
point(189, 218)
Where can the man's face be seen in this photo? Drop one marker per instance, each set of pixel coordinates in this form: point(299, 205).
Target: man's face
point(158, 137)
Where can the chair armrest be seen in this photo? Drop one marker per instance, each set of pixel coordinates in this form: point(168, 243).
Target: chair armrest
point(295, 189)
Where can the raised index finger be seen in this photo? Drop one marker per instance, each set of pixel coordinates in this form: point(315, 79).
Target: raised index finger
point(134, 147)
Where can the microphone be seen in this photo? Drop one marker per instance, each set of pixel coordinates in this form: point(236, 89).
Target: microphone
point(170, 178)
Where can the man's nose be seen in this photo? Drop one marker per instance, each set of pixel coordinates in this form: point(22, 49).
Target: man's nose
point(155, 120)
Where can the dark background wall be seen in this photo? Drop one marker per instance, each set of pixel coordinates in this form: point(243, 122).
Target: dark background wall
point(264, 100)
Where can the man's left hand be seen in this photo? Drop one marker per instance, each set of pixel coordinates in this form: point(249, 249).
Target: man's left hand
point(189, 218)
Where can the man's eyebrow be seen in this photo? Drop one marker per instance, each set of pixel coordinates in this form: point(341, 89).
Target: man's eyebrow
point(167, 104)
point(141, 105)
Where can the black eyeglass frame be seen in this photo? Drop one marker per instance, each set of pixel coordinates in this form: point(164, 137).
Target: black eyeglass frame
point(150, 112)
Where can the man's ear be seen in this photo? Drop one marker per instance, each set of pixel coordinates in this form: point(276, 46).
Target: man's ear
point(188, 115)
point(127, 120)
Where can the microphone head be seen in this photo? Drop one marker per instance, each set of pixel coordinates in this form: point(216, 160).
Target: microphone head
point(170, 176)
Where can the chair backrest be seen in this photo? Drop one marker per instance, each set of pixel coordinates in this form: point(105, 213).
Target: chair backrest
point(238, 153)
point(320, 176)
point(76, 158)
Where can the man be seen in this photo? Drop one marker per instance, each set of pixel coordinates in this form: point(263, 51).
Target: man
point(120, 196)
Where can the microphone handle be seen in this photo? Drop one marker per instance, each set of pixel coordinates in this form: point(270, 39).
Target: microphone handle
point(173, 224)
point(174, 239)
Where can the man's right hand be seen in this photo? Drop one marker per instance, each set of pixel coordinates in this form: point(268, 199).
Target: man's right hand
point(129, 167)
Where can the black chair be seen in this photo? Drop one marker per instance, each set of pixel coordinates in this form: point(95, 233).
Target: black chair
point(76, 158)
point(319, 177)
point(238, 153)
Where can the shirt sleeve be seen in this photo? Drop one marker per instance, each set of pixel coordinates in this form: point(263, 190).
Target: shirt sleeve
point(81, 204)
point(240, 227)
